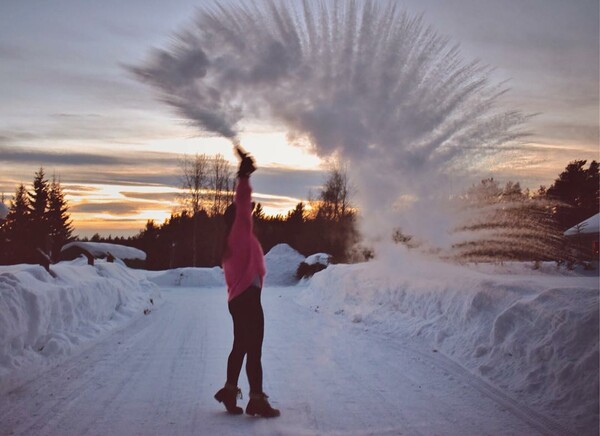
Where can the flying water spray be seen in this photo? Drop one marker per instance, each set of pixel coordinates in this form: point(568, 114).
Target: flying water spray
point(361, 80)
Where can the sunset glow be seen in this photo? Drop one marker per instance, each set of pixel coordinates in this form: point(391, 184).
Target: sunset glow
point(71, 105)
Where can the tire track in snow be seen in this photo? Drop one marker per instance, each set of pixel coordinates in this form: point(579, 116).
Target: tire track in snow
point(542, 423)
point(58, 390)
point(328, 377)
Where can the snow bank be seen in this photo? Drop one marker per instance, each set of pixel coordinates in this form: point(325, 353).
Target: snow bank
point(282, 262)
point(188, 277)
point(101, 249)
point(532, 334)
point(44, 318)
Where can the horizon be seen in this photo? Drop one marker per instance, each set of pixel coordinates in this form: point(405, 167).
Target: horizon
point(72, 108)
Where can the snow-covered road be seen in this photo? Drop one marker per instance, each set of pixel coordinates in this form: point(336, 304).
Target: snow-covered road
point(328, 376)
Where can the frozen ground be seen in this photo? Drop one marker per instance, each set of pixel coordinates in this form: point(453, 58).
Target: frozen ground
point(158, 376)
point(532, 333)
point(399, 345)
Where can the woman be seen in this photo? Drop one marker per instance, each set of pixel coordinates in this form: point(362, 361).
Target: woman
point(244, 266)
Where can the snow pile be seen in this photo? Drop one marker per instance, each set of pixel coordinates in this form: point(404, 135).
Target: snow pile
point(188, 277)
point(532, 334)
point(44, 318)
point(101, 249)
point(282, 262)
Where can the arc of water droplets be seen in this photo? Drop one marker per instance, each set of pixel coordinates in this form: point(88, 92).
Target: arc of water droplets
point(362, 79)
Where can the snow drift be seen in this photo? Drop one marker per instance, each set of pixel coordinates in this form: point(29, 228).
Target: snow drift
point(282, 262)
point(43, 318)
point(532, 333)
point(188, 277)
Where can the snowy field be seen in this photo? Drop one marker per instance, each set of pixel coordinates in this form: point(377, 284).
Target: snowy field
point(404, 346)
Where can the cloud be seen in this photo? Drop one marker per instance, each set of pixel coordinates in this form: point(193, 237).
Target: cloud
point(287, 182)
point(72, 115)
point(112, 208)
point(162, 196)
point(120, 127)
point(10, 53)
point(575, 136)
point(34, 156)
point(135, 177)
point(75, 190)
point(118, 208)
point(31, 155)
point(76, 170)
point(275, 201)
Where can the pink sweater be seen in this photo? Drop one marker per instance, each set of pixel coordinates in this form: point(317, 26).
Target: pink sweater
point(245, 259)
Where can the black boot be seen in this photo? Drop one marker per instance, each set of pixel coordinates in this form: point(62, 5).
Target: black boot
point(228, 396)
point(259, 405)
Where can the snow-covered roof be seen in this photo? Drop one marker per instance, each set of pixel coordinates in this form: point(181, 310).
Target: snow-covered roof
point(590, 225)
point(3, 210)
point(101, 249)
point(322, 258)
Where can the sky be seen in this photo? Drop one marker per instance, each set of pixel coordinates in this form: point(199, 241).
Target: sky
point(70, 104)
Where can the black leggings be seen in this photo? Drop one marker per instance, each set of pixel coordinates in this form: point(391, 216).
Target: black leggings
point(248, 332)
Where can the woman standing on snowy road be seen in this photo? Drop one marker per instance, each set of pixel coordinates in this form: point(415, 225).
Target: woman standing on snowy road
point(244, 266)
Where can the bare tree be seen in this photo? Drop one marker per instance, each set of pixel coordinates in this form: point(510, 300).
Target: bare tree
point(334, 197)
point(194, 181)
point(220, 184)
point(335, 213)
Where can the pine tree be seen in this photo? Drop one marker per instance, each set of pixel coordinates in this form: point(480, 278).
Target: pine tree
point(577, 189)
point(17, 219)
point(294, 224)
point(38, 205)
point(295, 217)
point(17, 228)
point(60, 227)
point(258, 212)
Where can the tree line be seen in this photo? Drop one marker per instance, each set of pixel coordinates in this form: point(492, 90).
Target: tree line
point(37, 223)
point(38, 219)
point(511, 223)
point(195, 235)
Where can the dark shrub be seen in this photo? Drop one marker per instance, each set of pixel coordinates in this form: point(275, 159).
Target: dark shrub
point(306, 270)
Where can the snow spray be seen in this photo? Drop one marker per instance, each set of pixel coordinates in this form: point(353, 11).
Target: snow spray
point(363, 81)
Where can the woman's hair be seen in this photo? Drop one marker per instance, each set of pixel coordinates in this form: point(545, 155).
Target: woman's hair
point(229, 218)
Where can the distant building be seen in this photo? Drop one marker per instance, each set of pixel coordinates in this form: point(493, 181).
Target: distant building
point(585, 236)
point(132, 257)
